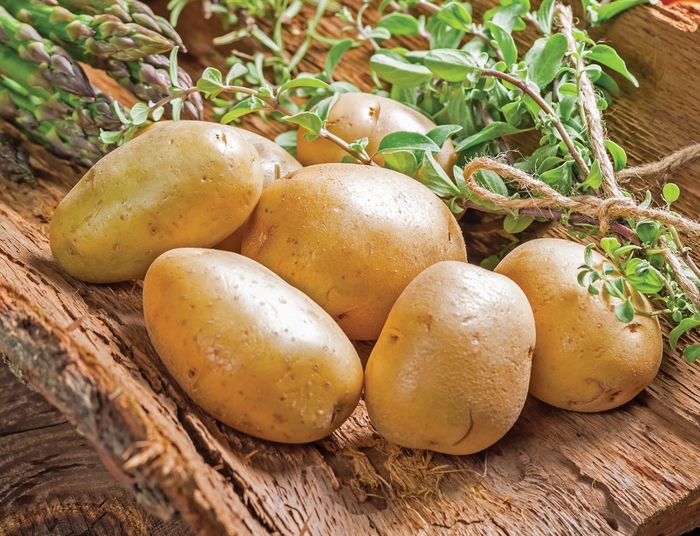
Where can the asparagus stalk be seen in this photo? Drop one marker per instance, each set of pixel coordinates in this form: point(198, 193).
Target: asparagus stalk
point(56, 67)
point(127, 11)
point(101, 35)
point(14, 162)
point(140, 67)
point(65, 124)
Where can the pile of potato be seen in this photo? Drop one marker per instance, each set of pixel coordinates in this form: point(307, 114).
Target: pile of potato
point(258, 272)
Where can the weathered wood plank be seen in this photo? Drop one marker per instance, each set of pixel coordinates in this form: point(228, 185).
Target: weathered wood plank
point(53, 482)
point(634, 470)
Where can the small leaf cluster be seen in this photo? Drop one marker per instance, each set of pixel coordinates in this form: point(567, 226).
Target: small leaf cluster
point(633, 269)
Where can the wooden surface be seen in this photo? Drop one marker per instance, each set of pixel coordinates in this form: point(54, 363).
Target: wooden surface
point(634, 470)
point(52, 481)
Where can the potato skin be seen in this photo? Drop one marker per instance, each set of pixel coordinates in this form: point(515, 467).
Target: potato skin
point(358, 115)
point(276, 163)
point(585, 358)
point(451, 368)
point(248, 348)
point(351, 237)
point(185, 183)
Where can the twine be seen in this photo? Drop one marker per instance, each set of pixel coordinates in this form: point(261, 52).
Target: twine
point(604, 210)
point(671, 163)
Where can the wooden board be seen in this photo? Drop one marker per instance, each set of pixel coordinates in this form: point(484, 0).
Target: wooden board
point(634, 470)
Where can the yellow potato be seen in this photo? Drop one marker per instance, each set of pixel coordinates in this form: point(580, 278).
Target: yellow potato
point(187, 183)
point(276, 163)
point(451, 368)
point(362, 115)
point(251, 350)
point(351, 237)
point(585, 358)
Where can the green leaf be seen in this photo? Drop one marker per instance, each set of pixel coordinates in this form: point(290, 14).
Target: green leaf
point(442, 35)
point(514, 224)
point(624, 250)
point(507, 16)
point(684, 326)
point(451, 65)
point(618, 155)
point(505, 43)
point(400, 24)
point(175, 108)
point(401, 161)
point(568, 88)
point(497, 129)
point(567, 105)
point(377, 33)
point(442, 133)
point(237, 70)
point(588, 255)
point(157, 113)
point(288, 141)
point(594, 178)
point(647, 200)
point(109, 136)
point(492, 181)
point(335, 54)
point(323, 108)
point(435, 178)
point(242, 108)
point(607, 56)
point(559, 178)
point(606, 82)
point(545, 16)
point(211, 82)
point(544, 59)
point(139, 113)
point(172, 68)
point(407, 141)
point(302, 82)
point(670, 192)
point(624, 311)
point(309, 120)
point(648, 231)
point(609, 245)
point(691, 353)
point(642, 277)
point(455, 15)
point(618, 6)
point(397, 72)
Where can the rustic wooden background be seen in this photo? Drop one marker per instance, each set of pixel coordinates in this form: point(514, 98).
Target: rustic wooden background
point(141, 446)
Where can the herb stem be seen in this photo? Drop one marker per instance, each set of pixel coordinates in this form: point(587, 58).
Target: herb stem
point(546, 108)
point(310, 31)
point(434, 8)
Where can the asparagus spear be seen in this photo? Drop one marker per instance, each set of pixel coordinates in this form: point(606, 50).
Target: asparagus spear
point(14, 162)
point(127, 11)
point(101, 35)
point(55, 64)
point(142, 71)
point(65, 124)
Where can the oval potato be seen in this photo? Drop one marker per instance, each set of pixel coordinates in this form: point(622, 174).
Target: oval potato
point(585, 358)
point(186, 183)
point(251, 350)
point(451, 368)
point(351, 237)
point(363, 115)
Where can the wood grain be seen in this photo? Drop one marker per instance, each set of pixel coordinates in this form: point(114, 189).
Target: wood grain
point(53, 482)
point(630, 471)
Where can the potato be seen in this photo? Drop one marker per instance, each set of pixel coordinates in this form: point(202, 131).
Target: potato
point(451, 368)
point(251, 350)
point(351, 237)
point(186, 183)
point(362, 115)
point(276, 163)
point(585, 358)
